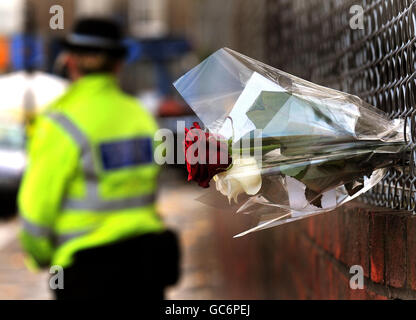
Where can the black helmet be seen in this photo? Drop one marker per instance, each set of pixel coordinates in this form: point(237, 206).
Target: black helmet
point(96, 34)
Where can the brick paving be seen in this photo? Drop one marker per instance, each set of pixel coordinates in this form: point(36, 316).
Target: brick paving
point(200, 270)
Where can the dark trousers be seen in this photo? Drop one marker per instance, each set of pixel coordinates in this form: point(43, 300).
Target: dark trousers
point(136, 268)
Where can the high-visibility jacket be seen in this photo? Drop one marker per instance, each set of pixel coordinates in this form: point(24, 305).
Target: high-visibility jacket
point(91, 178)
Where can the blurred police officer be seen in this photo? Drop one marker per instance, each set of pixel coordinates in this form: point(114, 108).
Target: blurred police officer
point(87, 200)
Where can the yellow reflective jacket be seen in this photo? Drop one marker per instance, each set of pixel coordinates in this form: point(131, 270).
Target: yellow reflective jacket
point(91, 178)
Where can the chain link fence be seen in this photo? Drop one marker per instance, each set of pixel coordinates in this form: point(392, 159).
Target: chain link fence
point(315, 40)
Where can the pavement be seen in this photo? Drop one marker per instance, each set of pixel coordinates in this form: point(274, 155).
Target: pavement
point(214, 266)
point(16, 282)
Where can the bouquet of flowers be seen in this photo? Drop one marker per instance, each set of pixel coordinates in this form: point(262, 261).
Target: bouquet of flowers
point(280, 147)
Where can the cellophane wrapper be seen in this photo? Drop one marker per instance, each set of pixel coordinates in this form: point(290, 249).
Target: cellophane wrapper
point(320, 147)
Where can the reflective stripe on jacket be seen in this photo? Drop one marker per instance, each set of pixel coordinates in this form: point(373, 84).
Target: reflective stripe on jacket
point(91, 178)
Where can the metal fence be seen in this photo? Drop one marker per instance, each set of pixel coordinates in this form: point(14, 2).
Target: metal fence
point(314, 40)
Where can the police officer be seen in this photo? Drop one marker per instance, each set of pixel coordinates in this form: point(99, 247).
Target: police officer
point(87, 200)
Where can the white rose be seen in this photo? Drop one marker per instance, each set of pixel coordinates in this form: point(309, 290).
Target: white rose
point(244, 176)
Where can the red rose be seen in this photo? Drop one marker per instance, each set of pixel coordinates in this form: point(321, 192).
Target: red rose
point(199, 168)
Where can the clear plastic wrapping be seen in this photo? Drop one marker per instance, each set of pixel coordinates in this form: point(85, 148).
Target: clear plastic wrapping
point(297, 149)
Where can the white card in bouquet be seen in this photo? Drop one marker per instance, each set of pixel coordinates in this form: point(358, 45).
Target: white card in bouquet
point(241, 123)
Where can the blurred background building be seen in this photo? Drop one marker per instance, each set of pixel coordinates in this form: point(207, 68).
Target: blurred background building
point(311, 39)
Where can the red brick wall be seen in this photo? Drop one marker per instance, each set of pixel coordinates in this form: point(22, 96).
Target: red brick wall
point(311, 259)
